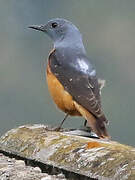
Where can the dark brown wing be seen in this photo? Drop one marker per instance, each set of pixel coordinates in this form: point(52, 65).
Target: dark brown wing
point(78, 77)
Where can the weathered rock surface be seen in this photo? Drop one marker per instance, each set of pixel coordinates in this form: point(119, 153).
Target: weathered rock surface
point(12, 169)
point(84, 157)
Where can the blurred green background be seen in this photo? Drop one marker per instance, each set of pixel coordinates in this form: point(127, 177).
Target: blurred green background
point(108, 29)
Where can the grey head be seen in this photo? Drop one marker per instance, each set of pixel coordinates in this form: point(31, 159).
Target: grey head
point(63, 33)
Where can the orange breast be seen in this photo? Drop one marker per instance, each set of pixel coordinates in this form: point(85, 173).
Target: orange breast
point(61, 97)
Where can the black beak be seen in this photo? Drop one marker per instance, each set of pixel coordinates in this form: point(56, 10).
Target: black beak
point(38, 28)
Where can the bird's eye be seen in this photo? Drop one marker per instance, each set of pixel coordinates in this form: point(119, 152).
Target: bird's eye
point(54, 25)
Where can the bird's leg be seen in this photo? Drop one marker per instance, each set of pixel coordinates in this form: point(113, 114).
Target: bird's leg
point(59, 127)
point(85, 123)
point(85, 127)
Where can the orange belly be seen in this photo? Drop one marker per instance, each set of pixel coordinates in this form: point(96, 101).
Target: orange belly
point(61, 97)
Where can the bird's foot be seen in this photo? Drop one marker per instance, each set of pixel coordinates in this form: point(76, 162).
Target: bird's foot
point(57, 128)
point(86, 129)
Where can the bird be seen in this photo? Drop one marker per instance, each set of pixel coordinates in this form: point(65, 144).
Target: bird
point(71, 77)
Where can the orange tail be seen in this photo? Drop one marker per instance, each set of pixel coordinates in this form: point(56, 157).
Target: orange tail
point(97, 125)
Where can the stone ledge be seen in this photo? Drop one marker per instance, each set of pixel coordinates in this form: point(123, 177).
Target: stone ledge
point(85, 157)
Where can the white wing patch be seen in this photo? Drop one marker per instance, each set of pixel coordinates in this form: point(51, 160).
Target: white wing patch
point(82, 65)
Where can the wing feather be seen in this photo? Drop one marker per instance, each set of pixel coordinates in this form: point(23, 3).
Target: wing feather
point(79, 79)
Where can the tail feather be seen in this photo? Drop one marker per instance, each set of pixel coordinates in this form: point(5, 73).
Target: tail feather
point(101, 128)
point(96, 124)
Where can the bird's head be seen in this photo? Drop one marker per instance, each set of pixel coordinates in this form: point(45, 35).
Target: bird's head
point(61, 31)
